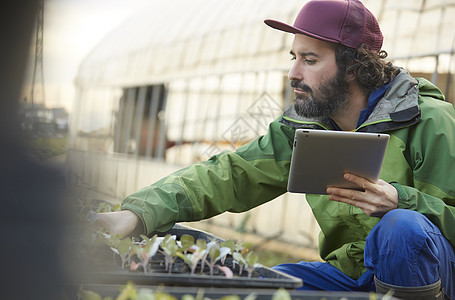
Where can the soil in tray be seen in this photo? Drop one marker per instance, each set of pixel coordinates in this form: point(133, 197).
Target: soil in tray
point(180, 267)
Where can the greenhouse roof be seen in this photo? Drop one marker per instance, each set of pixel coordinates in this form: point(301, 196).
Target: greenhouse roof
point(179, 38)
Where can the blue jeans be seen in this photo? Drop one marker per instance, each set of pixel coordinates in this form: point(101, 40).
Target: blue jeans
point(403, 249)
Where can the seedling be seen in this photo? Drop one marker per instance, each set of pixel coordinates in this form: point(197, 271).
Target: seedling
point(211, 253)
point(246, 259)
point(230, 244)
point(216, 253)
point(144, 252)
point(237, 256)
point(192, 259)
point(252, 263)
point(239, 249)
point(203, 245)
point(186, 241)
point(123, 249)
point(170, 249)
point(119, 245)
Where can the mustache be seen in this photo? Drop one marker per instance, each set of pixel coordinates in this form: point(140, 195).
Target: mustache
point(300, 85)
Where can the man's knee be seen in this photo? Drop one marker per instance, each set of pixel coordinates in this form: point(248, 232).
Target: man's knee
point(401, 249)
point(398, 239)
point(400, 224)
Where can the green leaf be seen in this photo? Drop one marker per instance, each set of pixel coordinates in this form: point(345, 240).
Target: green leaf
point(113, 240)
point(167, 239)
point(186, 241)
point(135, 249)
point(230, 297)
point(251, 296)
point(88, 295)
point(373, 296)
point(128, 292)
point(214, 252)
point(201, 244)
point(170, 246)
point(200, 294)
point(186, 258)
point(164, 296)
point(145, 294)
point(229, 244)
point(239, 258)
point(281, 294)
point(124, 246)
point(145, 238)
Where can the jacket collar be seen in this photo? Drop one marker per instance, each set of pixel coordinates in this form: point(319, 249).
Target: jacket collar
point(397, 109)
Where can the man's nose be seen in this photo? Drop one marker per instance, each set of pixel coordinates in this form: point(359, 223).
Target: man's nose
point(295, 73)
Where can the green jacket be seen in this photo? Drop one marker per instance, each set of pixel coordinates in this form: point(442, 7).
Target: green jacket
point(419, 162)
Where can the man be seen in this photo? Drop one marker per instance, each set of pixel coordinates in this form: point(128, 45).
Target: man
point(399, 232)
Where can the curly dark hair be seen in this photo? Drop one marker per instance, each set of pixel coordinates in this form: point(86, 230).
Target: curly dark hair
point(369, 68)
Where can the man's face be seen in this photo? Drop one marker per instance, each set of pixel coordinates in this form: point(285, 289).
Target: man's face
point(320, 90)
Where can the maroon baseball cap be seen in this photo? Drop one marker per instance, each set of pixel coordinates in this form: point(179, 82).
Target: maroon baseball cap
point(347, 22)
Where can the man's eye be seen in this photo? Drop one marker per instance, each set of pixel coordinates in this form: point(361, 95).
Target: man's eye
point(309, 61)
point(293, 58)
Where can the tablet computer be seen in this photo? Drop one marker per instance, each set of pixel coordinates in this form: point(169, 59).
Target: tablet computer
point(321, 157)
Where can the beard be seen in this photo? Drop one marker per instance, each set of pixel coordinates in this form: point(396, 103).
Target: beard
point(324, 101)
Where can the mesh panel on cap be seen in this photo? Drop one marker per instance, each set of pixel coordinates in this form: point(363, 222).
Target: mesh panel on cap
point(354, 28)
point(362, 28)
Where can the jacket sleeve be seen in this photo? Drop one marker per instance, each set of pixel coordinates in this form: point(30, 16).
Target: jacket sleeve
point(431, 155)
point(439, 212)
point(230, 181)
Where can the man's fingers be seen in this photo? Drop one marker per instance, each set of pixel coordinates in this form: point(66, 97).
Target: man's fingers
point(360, 181)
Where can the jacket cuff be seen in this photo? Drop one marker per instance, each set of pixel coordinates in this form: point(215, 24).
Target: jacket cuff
point(404, 201)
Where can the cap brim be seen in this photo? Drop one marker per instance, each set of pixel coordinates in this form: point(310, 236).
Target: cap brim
point(291, 29)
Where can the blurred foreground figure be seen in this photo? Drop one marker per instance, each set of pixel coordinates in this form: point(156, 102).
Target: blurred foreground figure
point(32, 213)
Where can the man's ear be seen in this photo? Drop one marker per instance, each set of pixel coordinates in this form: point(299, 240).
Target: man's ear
point(350, 74)
point(350, 77)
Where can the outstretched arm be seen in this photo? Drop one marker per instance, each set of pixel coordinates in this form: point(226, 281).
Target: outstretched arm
point(230, 181)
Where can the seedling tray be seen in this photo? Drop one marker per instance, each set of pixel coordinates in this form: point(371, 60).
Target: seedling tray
point(262, 277)
point(180, 230)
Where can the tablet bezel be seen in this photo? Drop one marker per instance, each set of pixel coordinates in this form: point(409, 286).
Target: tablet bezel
point(321, 157)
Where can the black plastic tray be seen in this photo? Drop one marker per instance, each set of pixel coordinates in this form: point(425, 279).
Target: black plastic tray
point(262, 277)
point(179, 230)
